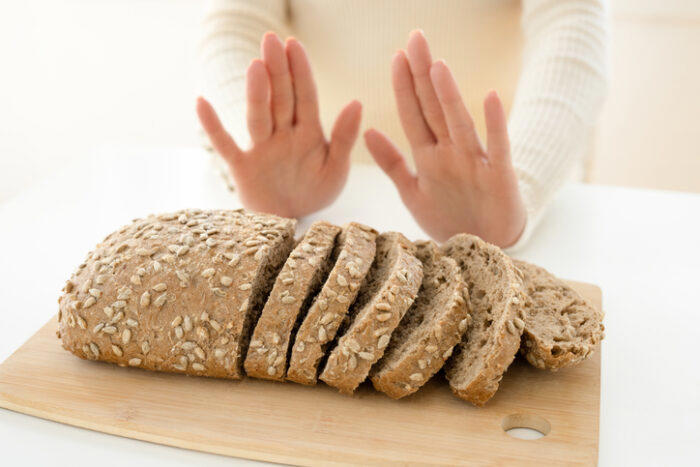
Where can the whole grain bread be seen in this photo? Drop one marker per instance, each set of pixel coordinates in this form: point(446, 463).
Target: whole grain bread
point(175, 292)
point(497, 311)
point(295, 287)
point(353, 256)
point(433, 325)
point(561, 328)
point(389, 290)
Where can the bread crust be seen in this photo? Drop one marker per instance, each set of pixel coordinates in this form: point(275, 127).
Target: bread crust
point(368, 334)
point(551, 300)
point(301, 274)
point(174, 292)
point(503, 332)
point(356, 249)
point(409, 365)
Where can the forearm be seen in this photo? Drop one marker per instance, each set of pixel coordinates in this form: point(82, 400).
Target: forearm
point(560, 93)
point(230, 38)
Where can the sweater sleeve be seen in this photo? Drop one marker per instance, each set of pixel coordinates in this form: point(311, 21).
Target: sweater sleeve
point(560, 92)
point(230, 38)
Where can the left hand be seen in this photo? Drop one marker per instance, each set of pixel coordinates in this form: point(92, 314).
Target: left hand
point(459, 186)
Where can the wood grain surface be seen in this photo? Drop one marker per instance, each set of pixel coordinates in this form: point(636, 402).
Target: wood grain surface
point(289, 423)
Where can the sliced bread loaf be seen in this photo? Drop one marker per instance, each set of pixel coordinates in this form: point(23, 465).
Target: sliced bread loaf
point(497, 310)
point(353, 255)
point(426, 335)
point(295, 287)
point(176, 292)
point(561, 328)
point(391, 287)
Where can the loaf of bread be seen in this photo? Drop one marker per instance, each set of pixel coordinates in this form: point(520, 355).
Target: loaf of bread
point(497, 310)
point(176, 292)
point(229, 293)
point(561, 328)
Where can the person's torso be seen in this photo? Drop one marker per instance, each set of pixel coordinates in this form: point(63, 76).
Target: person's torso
point(350, 45)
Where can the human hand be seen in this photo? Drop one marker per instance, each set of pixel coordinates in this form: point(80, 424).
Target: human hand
point(291, 169)
point(458, 185)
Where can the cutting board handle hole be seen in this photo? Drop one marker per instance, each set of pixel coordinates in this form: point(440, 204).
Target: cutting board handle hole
point(525, 426)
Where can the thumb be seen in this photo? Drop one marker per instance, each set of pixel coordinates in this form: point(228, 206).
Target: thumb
point(390, 160)
point(219, 137)
point(344, 133)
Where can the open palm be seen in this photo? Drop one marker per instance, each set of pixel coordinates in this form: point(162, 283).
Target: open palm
point(458, 186)
point(291, 169)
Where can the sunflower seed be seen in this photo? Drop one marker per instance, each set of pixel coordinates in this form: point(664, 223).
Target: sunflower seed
point(519, 323)
point(352, 362)
point(117, 350)
point(342, 299)
point(381, 331)
point(271, 370)
point(177, 321)
point(199, 353)
point(322, 334)
point(109, 329)
point(463, 325)
point(157, 266)
point(98, 327)
point(246, 286)
point(81, 323)
point(136, 280)
point(287, 299)
point(145, 347)
point(300, 347)
point(226, 281)
point(145, 299)
point(383, 341)
point(382, 306)
point(95, 293)
point(341, 281)
point(327, 318)
point(187, 323)
point(219, 353)
point(94, 349)
point(322, 304)
point(447, 353)
point(126, 336)
point(511, 327)
point(160, 287)
point(416, 377)
point(366, 355)
point(383, 317)
point(188, 345)
point(160, 301)
point(89, 302)
point(108, 311)
point(178, 332)
point(208, 272)
point(431, 348)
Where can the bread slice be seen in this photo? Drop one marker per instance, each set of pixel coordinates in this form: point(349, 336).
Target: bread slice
point(426, 335)
point(175, 292)
point(391, 287)
point(561, 328)
point(497, 311)
point(353, 256)
point(295, 287)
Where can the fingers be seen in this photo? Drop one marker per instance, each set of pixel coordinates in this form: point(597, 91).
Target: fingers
point(219, 137)
point(459, 122)
point(306, 100)
point(389, 158)
point(282, 95)
point(496, 129)
point(412, 121)
point(258, 103)
point(420, 61)
point(344, 133)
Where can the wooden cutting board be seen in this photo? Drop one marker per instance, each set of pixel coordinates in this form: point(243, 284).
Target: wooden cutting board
point(289, 423)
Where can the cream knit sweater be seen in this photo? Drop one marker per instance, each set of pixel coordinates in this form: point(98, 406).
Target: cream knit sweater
point(546, 58)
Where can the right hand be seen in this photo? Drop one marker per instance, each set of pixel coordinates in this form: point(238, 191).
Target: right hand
point(291, 169)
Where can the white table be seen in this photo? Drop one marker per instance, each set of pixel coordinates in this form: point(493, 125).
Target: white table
point(642, 247)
